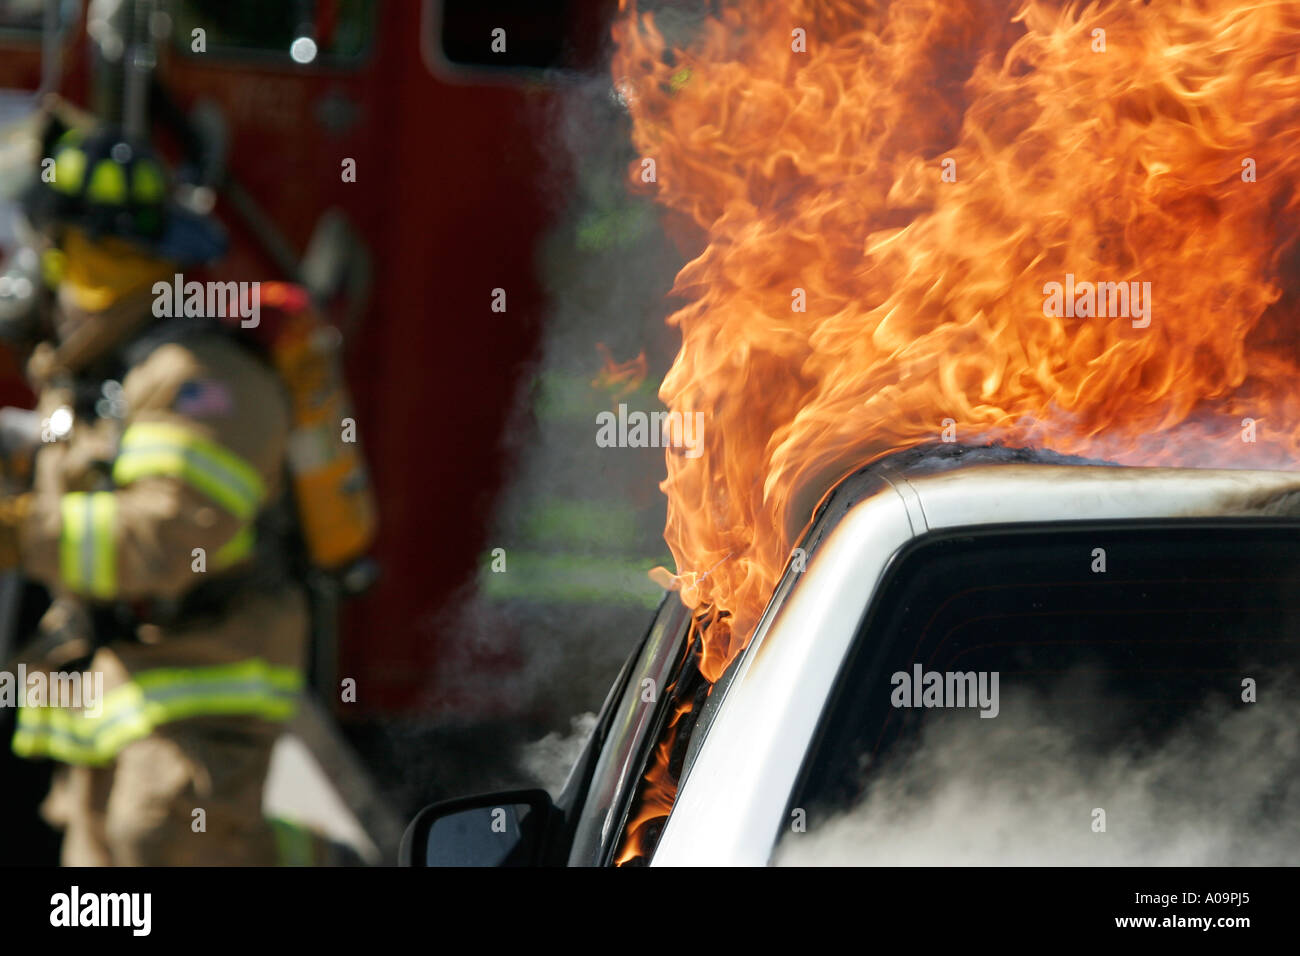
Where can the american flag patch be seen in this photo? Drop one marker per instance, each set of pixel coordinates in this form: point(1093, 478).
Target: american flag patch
point(200, 398)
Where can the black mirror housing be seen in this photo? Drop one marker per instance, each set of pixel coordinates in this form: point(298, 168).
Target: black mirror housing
point(506, 828)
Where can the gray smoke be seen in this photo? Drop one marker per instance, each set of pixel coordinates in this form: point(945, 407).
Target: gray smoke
point(549, 760)
point(1022, 790)
point(579, 526)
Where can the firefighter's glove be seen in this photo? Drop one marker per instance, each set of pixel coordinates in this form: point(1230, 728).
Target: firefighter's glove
point(13, 511)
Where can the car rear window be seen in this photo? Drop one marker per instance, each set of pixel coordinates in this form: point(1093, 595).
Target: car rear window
point(1081, 695)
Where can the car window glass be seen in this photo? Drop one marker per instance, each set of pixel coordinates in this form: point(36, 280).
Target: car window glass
point(1091, 695)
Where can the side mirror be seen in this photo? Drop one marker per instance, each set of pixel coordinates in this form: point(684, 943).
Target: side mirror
point(337, 270)
point(509, 828)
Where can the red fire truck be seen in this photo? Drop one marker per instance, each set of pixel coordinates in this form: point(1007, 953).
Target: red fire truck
point(297, 94)
point(392, 158)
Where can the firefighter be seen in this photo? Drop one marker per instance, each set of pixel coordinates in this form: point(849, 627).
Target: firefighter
point(155, 519)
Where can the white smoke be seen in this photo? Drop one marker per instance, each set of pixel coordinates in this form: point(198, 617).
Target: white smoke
point(1023, 790)
point(550, 759)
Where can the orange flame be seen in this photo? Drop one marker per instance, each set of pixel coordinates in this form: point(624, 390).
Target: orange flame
point(619, 378)
point(914, 178)
point(657, 793)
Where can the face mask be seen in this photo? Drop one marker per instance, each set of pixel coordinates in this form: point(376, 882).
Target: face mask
point(96, 275)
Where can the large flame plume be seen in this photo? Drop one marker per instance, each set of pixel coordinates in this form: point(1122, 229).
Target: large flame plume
point(1164, 150)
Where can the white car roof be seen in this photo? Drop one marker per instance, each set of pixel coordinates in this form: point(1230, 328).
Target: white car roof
point(730, 806)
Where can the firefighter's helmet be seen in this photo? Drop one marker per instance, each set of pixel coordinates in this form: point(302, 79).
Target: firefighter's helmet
point(109, 186)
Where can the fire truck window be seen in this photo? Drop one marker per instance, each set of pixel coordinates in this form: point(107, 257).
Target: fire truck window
point(23, 17)
point(527, 35)
point(308, 32)
point(1016, 688)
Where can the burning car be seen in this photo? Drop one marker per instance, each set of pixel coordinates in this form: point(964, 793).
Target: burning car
point(974, 654)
